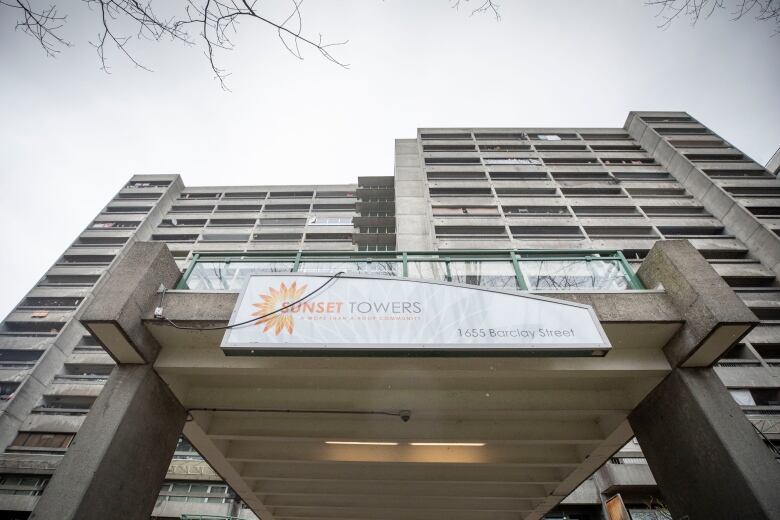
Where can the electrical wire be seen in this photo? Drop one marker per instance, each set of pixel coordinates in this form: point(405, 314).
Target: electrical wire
point(275, 311)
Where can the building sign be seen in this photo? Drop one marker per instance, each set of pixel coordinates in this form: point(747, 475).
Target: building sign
point(358, 314)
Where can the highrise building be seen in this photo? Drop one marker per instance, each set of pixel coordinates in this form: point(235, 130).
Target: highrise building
point(528, 209)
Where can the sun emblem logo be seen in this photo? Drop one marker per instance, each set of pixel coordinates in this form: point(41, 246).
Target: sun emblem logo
point(276, 299)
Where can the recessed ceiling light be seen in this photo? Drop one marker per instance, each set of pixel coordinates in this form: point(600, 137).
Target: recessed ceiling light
point(477, 444)
point(363, 443)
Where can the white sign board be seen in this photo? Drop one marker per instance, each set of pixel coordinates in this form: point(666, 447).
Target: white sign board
point(353, 314)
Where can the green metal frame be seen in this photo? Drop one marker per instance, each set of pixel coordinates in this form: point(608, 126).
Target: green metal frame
point(516, 257)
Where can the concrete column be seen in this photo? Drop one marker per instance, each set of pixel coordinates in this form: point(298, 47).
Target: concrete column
point(117, 463)
point(707, 459)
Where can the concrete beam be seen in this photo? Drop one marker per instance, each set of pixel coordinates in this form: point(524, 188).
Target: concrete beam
point(118, 460)
point(114, 314)
point(706, 457)
point(715, 317)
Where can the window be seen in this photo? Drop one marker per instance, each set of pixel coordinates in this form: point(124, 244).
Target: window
point(460, 192)
point(667, 119)
point(675, 211)
point(571, 160)
point(573, 275)
point(50, 302)
point(682, 131)
point(470, 231)
point(329, 237)
point(14, 357)
point(30, 485)
point(738, 174)
point(765, 211)
point(250, 208)
point(717, 157)
point(192, 209)
point(377, 230)
point(620, 232)
point(561, 148)
point(484, 147)
point(148, 184)
point(375, 247)
point(272, 222)
point(444, 135)
point(605, 211)
point(581, 176)
point(277, 237)
point(512, 160)
point(245, 195)
point(754, 191)
point(164, 237)
point(526, 192)
point(756, 396)
point(658, 192)
point(225, 237)
point(592, 192)
point(455, 176)
point(616, 148)
point(195, 492)
point(381, 268)
point(74, 259)
point(642, 176)
point(698, 143)
point(318, 220)
point(546, 232)
point(518, 176)
point(335, 194)
point(186, 196)
point(114, 225)
point(500, 135)
point(279, 208)
point(291, 194)
point(127, 209)
point(532, 211)
point(69, 280)
point(231, 276)
point(231, 222)
point(7, 390)
point(452, 160)
point(182, 222)
point(334, 207)
point(690, 231)
point(468, 211)
point(449, 148)
point(42, 440)
point(499, 275)
point(605, 137)
point(629, 161)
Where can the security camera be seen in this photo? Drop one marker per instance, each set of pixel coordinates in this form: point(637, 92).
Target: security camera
point(405, 415)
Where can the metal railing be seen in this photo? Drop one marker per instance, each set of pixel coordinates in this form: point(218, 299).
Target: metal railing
point(524, 270)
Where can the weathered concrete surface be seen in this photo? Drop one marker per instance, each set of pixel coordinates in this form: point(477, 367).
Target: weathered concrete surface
point(706, 457)
point(116, 464)
point(715, 317)
point(114, 314)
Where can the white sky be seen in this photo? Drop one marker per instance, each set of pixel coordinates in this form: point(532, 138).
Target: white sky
point(70, 135)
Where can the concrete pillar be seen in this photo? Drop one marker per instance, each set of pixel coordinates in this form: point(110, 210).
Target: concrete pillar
point(706, 457)
point(118, 460)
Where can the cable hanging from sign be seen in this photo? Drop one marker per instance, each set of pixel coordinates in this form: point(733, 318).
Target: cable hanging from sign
point(158, 312)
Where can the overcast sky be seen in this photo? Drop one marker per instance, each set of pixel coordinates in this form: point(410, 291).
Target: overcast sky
point(71, 135)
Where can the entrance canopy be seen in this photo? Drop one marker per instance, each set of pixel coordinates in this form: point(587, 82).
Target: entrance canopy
point(313, 436)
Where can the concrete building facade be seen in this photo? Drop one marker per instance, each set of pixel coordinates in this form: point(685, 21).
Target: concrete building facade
point(520, 208)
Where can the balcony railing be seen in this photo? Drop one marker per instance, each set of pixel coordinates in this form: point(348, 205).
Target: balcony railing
point(541, 271)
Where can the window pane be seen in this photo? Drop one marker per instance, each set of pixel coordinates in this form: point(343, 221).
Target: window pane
point(222, 276)
point(373, 268)
point(573, 274)
point(487, 274)
point(427, 270)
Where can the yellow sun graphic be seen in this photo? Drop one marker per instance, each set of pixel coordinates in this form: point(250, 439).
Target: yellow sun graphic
point(276, 299)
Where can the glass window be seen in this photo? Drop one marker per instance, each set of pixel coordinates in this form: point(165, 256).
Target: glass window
point(573, 274)
point(500, 275)
point(223, 276)
point(317, 220)
point(427, 270)
point(374, 267)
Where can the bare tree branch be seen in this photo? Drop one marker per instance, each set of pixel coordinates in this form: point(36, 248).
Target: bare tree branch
point(696, 10)
point(213, 22)
point(487, 6)
point(43, 24)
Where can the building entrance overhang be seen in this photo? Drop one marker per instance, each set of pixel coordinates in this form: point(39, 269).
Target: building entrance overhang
point(314, 437)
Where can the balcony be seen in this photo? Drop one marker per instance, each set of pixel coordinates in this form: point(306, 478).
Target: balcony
point(515, 270)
